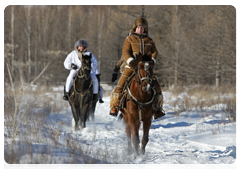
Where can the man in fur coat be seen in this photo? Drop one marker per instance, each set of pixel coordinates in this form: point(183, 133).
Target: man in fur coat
point(137, 41)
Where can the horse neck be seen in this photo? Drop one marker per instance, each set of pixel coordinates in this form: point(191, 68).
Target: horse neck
point(82, 84)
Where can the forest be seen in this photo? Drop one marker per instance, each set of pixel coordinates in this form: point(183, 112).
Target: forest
point(196, 44)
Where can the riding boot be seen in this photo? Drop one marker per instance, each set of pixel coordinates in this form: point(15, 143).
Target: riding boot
point(116, 94)
point(101, 101)
point(95, 97)
point(115, 99)
point(159, 100)
point(66, 95)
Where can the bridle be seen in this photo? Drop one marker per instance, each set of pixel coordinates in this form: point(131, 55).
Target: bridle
point(147, 78)
point(81, 70)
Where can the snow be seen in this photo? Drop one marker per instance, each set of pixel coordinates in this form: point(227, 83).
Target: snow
point(188, 138)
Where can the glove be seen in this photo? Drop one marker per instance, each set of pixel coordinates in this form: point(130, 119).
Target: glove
point(114, 76)
point(74, 66)
point(153, 61)
point(133, 64)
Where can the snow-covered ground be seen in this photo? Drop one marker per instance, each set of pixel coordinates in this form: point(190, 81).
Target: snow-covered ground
point(186, 139)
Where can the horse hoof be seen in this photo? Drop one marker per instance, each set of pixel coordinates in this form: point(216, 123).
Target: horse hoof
point(142, 152)
point(113, 114)
point(159, 115)
point(129, 152)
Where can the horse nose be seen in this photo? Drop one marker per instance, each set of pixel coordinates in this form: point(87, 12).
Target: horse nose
point(146, 87)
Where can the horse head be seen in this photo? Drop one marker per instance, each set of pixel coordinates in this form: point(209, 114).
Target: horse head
point(85, 69)
point(145, 71)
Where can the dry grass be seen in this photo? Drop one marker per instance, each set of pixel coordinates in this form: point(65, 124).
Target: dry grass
point(205, 96)
point(200, 100)
point(38, 137)
point(32, 136)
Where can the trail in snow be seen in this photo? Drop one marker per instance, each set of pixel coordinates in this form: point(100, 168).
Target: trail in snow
point(183, 139)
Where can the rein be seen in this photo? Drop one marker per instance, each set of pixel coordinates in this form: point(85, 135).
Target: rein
point(81, 70)
point(141, 104)
point(81, 94)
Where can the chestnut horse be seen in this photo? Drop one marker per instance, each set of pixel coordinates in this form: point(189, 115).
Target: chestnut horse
point(139, 104)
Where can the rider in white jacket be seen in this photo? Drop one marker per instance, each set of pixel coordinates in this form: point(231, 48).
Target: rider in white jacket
point(73, 63)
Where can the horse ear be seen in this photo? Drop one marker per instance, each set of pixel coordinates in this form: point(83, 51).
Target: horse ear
point(90, 55)
point(87, 57)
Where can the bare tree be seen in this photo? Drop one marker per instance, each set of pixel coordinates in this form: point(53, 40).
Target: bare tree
point(196, 44)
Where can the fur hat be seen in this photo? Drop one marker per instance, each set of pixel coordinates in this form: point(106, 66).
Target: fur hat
point(81, 42)
point(140, 21)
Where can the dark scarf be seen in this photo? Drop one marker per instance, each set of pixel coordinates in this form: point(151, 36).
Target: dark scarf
point(81, 53)
point(144, 35)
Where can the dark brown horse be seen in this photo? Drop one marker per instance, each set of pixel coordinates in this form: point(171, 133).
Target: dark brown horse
point(81, 94)
point(139, 104)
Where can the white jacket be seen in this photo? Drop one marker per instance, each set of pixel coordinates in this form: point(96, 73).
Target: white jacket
point(73, 58)
point(97, 71)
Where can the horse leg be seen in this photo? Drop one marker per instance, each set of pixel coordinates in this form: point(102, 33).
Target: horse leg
point(82, 121)
point(83, 115)
point(128, 131)
point(77, 120)
point(92, 110)
point(134, 126)
point(75, 116)
point(146, 127)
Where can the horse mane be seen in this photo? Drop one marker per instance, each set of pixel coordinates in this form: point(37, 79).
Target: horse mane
point(147, 57)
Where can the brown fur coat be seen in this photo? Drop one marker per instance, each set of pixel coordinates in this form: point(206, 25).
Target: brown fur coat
point(132, 46)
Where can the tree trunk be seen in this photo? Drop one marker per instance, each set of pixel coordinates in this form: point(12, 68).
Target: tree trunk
point(100, 25)
point(29, 41)
point(218, 64)
point(218, 74)
point(177, 48)
point(69, 28)
point(12, 36)
point(142, 14)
